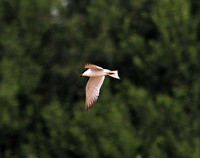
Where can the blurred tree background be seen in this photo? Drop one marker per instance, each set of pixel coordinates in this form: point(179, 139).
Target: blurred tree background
point(152, 112)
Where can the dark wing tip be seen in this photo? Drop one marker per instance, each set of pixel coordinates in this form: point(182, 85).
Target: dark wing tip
point(90, 105)
point(87, 64)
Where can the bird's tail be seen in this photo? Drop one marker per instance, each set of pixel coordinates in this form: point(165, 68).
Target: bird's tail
point(114, 74)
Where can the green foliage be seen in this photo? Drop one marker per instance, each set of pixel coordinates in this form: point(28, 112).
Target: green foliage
point(152, 112)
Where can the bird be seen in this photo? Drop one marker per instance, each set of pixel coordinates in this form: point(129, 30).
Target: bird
point(97, 75)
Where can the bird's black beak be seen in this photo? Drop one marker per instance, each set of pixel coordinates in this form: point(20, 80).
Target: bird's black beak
point(82, 73)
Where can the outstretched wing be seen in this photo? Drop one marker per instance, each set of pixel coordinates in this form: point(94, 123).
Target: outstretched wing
point(92, 90)
point(92, 66)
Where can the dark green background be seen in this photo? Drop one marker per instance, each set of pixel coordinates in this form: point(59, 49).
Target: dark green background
point(152, 112)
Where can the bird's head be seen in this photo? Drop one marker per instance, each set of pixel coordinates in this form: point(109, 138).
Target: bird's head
point(84, 73)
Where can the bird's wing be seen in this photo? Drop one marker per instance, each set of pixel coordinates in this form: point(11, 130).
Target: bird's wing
point(92, 90)
point(92, 66)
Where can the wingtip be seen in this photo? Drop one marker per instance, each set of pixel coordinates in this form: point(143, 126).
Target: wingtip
point(87, 107)
point(86, 64)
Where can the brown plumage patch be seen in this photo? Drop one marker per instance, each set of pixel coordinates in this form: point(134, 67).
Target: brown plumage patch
point(92, 66)
point(87, 64)
point(91, 103)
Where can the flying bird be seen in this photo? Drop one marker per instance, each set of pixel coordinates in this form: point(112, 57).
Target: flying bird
point(97, 75)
